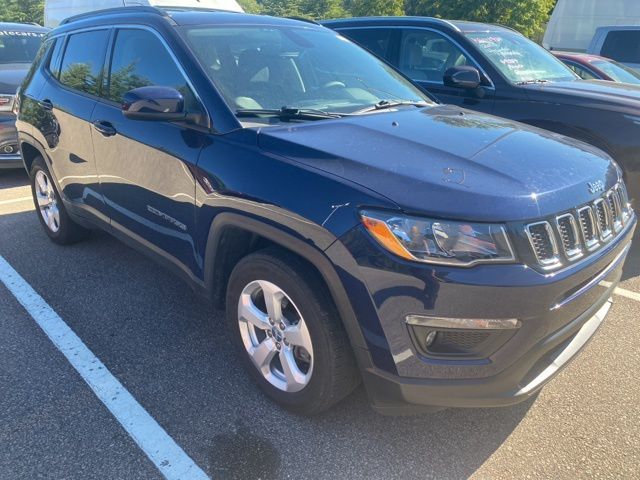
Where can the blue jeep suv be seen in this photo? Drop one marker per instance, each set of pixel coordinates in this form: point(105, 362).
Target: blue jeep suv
point(353, 228)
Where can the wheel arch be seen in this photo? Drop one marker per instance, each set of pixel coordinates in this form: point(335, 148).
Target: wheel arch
point(232, 236)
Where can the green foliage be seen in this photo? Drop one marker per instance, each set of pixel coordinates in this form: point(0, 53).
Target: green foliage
point(526, 16)
point(250, 6)
point(22, 11)
point(368, 8)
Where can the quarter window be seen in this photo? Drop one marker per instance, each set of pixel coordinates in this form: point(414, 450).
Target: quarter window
point(426, 55)
point(83, 61)
point(140, 59)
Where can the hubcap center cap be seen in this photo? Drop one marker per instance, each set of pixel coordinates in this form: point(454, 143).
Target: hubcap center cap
point(278, 336)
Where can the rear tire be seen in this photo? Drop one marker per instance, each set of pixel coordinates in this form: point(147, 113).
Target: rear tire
point(52, 214)
point(302, 359)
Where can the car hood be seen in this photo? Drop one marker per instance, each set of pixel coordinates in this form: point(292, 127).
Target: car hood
point(593, 93)
point(445, 161)
point(11, 76)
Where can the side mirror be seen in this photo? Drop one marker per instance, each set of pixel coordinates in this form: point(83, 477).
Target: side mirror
point(154, 103)
point(462, 77)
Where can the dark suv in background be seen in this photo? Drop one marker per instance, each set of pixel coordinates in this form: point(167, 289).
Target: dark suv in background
point(19, 44)
point(496, 70)
point(351, 227)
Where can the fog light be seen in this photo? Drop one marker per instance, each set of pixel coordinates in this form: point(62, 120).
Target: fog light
point(431, 336)
point(463, 323)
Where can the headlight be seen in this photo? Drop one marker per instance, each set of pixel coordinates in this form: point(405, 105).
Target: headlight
point(440, 242)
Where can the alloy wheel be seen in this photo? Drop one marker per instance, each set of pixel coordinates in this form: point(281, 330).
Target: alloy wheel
point(275, 336)
point(47, 201)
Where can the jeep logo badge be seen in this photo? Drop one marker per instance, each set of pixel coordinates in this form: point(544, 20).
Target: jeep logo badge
point(596, 187)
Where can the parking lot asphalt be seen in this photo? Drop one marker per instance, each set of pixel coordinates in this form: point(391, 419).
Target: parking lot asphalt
point(170, 350)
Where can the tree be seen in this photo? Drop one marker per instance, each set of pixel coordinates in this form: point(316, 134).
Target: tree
point(22, 11)
point(370, 8)
point(526, 16)
point(322, 9)
point(250, 6)
point(281, 8)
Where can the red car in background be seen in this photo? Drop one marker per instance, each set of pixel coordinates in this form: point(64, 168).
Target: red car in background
point(590, 67)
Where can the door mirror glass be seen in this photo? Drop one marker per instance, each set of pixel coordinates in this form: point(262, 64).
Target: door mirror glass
point(153, 103)
point(462, 77)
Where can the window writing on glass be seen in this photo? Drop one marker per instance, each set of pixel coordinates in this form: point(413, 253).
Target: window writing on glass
point(519, 59)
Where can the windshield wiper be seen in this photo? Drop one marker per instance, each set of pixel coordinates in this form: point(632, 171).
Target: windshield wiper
point(532, 81)
point(386, 104)
point(288, 113)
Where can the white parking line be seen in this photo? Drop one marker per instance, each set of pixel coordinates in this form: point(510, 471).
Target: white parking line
point(15, 200)
point(622, 292)
point(161, 449)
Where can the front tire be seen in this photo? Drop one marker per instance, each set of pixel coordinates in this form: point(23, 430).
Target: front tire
point(288, 332)
point(52, 214)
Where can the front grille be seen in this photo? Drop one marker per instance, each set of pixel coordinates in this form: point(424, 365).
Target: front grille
point(603, 217)
point(569, 235)
point(462, 341)
point(584, 230)
point(588, 227)
point(544, 243)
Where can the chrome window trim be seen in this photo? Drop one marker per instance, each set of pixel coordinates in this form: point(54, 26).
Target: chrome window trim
point(431, 29)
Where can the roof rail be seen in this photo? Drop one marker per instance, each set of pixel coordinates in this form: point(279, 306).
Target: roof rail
point(107, 11)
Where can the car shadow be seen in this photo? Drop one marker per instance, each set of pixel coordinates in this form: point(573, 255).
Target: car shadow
point(13, 178)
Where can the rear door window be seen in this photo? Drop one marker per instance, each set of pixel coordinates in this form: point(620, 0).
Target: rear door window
point(376, 40)
point(83, 61)
point(623, 46)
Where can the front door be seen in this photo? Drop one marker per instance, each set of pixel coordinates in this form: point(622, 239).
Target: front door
point(145, 167)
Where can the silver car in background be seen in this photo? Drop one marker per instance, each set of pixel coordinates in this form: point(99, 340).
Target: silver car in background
point(19, 44)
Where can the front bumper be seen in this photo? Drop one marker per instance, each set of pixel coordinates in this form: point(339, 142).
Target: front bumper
point(9, 152)
point(559, 313)
point(394, 395)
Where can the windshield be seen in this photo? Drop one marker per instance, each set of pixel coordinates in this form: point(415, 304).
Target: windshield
point(520, 60)
point(617, 71)
point(319, 71)
point(19, 47)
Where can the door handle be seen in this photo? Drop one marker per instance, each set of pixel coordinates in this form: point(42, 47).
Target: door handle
point(105, 128)
point(46, 104)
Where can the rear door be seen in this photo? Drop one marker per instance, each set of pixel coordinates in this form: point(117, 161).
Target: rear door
point(145, 167)
point(65, 105)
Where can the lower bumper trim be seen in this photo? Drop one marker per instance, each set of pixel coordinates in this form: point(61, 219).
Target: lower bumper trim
point(394, 395)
